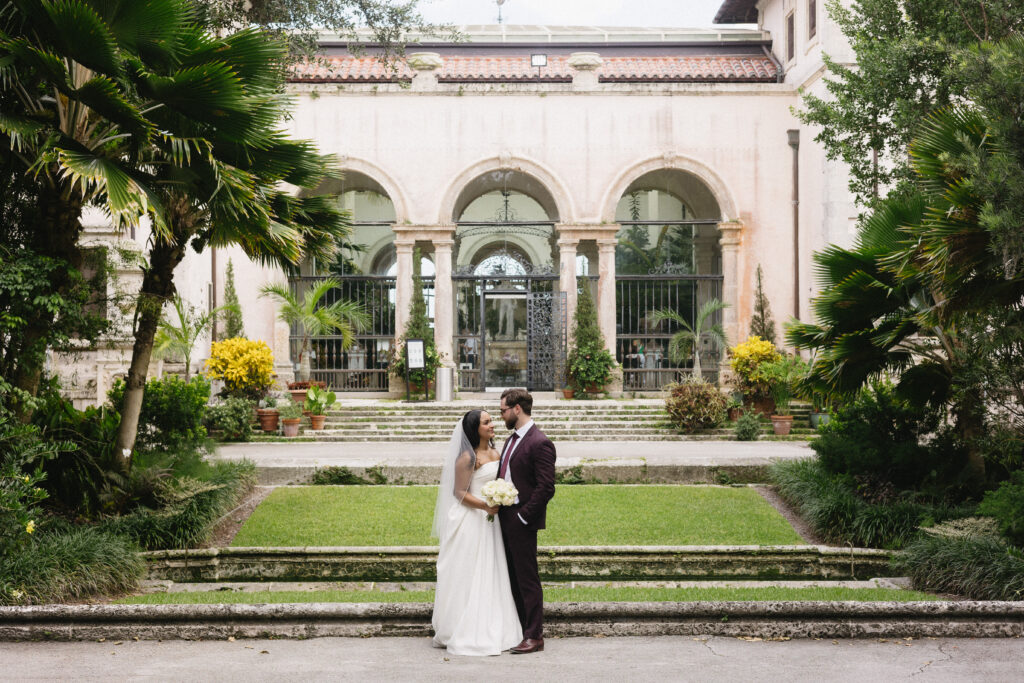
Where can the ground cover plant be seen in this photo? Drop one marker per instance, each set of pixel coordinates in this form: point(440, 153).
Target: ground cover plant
point(551, 595)
point(577, 515)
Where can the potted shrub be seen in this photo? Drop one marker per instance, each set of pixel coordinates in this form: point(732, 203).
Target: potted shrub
point(734, 408)
point(268, 415)
point(590, 364)
point(317, 402)
point(246, 367)
point(313, 319)
point(291, 417)
point(418, 327)
point(781, 376)
point(746, 361)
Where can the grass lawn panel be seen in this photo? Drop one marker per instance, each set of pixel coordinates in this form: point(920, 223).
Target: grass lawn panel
point(578, 515)
point(587, 594)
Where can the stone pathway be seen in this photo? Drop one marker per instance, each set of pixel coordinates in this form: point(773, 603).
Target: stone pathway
point(669, 658)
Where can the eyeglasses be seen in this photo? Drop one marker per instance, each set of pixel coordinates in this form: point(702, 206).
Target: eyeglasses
point(502, 410)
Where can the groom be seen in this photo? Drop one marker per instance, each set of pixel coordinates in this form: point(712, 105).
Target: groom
point(528, 462)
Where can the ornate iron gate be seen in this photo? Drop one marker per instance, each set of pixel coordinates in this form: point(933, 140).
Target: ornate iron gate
point(546, 340)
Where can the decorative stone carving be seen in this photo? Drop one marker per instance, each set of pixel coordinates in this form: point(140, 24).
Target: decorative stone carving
point(505, 159)
point(585, 61)
point(425, 61)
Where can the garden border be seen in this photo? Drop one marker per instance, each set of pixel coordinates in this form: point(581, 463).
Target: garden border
point(747, 619)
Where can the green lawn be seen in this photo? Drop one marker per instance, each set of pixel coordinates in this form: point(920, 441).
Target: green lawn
point(588, 594)
point(578, 515)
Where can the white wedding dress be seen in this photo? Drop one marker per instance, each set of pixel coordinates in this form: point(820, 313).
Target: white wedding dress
point(474, 613)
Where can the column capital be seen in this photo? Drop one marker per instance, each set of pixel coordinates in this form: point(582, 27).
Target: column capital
point(607, 243)
point(731, 232)
point(443, 244)
point(424, 233)
point(403, 244)
point(568, 242)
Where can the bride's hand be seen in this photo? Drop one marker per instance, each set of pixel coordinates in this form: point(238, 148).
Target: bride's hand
point(491, 510)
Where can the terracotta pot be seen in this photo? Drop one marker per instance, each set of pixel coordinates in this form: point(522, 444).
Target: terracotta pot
point(317, 421)
point(568, 393)
point(782, 424)
point(595, 388)
point(268, 418)
point(291, 426)
point(735, 413)
point(298, 395)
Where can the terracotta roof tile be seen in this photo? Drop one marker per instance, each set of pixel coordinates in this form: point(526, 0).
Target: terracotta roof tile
point(699, 68)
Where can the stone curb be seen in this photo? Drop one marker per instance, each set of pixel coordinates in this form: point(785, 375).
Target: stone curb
point(626, 472)
point(747, 619)
point(418, 563)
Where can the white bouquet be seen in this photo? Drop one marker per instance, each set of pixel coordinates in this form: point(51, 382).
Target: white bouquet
point(498, 492)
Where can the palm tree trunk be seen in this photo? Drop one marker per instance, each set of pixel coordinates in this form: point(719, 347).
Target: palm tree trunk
point(157, 288)
point(697, 373)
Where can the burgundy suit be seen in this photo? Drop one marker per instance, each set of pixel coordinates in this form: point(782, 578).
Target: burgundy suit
point(532, 465)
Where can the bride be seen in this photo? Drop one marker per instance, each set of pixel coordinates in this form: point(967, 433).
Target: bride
point(474, 613)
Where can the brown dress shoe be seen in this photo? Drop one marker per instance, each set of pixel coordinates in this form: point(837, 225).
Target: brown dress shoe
point(527, 646)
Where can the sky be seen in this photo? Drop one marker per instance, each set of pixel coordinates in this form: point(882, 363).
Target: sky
point(652, 13)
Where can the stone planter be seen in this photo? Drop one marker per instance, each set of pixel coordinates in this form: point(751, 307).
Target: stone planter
point(317, 421)
point(782, 424)
point(819, 419)
point(291, 426)
point(268, 418)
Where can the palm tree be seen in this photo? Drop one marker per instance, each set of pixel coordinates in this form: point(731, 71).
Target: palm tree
point(685, 343)
point(312, 319)
point(88, 87)
point(180, 337)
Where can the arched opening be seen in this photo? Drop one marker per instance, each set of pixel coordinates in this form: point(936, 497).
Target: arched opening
point(364, 265)
point(505, 283)
point(668, 260)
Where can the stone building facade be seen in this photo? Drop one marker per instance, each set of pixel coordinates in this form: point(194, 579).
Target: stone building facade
point(657, 167)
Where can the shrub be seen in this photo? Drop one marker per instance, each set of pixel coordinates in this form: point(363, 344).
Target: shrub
point(746, 359)
point(231, 419)
point(88, 476)
point(246, 366)
point(343, 476)
point(880, 435)
point(69, 563)
point(22, 454)
point(1006, 505)
point(780, 376)
point(172, 411)
point(189, 508)
point(748, 427)
point(589, 363)
point(829, 503)
point(965, 559)
point(694, 405)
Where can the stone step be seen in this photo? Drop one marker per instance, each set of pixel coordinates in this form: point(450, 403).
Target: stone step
point(384, 437)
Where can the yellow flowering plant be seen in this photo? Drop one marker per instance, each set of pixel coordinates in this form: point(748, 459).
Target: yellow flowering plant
point(246, 367)
point(747, 358)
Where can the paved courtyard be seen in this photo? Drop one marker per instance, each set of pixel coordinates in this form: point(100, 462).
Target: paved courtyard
point(572, 659)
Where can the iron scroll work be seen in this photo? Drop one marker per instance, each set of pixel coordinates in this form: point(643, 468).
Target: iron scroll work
point(546, 340)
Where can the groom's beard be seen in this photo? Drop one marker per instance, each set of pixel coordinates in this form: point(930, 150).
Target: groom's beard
point(511, 424)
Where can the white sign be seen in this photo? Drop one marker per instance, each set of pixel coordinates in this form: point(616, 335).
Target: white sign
point(414, 354)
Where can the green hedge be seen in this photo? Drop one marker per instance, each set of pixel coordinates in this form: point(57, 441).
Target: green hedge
point(828, 503)
point(190, 508)
point(69, 563)
point(981, 567)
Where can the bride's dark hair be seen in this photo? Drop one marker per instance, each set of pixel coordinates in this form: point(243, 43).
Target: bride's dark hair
point(471, 427)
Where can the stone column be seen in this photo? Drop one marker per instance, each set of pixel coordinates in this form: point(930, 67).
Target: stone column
point(606, 291)
point(567, 279)
point(403, 283)
point(444, 300)
point(731, 236)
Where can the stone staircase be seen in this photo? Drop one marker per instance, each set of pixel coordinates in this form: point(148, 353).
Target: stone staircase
point(637, 420)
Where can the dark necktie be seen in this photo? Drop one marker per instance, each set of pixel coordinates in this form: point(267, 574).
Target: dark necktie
point(508, 454)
